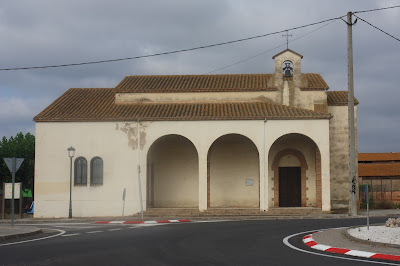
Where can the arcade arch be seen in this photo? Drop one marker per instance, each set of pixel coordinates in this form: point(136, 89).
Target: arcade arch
point(233, 179)
point(172, 173)
point(295, 172)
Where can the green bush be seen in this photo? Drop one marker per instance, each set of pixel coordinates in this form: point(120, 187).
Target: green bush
point(385, 204)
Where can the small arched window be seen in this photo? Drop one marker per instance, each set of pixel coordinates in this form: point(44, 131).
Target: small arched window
point(80, 172)
point(96, 171)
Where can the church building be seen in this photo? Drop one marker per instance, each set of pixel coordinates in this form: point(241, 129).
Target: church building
point(248, 141)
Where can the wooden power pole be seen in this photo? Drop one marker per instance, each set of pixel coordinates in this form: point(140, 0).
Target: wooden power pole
point(352, 139)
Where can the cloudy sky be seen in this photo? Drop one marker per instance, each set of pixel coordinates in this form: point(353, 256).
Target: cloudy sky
point(37, 33)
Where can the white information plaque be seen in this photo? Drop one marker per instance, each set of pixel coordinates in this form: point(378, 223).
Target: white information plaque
point(8, 190)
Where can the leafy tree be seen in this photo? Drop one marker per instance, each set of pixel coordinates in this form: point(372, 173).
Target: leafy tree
point(19, 146)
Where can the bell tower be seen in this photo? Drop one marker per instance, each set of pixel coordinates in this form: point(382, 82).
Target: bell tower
point(287, 74)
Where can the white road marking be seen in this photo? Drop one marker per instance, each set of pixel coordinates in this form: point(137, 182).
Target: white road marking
point(116, 222)
point(94, 232)
point(36, 239)
point(115, 229)
point(75, 227)
point(71, 234)
point(216, 221)
point(286, 242)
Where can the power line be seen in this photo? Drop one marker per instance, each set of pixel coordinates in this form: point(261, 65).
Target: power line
point(167, 53)
point(254, 56)
point(376, 9)
point(377, 28)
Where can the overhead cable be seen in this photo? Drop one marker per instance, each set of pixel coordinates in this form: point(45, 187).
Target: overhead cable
point(376, 9)
point(377, 28)
point(167, 53)
point(194, 48)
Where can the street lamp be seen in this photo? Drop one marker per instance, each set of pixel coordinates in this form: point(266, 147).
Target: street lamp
point(71, 153)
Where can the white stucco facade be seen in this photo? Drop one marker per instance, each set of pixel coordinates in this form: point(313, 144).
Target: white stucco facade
point(120, 161)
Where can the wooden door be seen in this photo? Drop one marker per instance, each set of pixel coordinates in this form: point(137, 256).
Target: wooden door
point(289, 187)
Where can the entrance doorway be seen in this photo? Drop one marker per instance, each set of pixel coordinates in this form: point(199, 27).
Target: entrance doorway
point(289, 186)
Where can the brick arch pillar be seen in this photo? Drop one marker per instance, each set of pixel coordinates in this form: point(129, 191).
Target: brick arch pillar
point(318, 177)
point(304, 167)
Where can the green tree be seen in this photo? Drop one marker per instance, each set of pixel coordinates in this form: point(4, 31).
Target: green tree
point(19, 146)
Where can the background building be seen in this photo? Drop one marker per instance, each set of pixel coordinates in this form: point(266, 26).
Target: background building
point(382, 172)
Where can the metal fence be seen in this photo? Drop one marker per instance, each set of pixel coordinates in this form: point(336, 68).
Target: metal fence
point(382, 188)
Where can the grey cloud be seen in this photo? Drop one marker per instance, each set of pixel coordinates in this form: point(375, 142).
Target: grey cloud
point(55, 32)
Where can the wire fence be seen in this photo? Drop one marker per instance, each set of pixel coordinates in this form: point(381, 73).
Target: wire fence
point(381, 189)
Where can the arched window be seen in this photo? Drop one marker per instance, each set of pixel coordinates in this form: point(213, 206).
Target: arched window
point(80, 173)
point(96, 171)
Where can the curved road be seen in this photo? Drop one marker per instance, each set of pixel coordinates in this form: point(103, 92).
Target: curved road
point(257, 242)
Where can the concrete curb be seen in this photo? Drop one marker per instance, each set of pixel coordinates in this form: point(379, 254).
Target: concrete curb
point(8, 237)
point(309, 241)
point(143, 222)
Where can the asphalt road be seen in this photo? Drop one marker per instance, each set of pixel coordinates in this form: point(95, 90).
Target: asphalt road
point(217, 243)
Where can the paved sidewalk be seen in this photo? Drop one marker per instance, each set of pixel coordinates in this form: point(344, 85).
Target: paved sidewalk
point(17, 231)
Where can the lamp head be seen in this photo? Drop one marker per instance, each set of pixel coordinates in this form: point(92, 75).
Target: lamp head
point(71, 151)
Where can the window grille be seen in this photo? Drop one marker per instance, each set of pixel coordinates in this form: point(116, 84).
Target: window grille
point(96, 171)
point(80, 171)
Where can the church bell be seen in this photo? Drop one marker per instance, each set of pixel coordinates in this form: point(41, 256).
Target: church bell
point(287, 73)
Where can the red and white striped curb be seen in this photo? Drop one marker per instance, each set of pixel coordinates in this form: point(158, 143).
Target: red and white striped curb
point(309, 241)
point(143, 222)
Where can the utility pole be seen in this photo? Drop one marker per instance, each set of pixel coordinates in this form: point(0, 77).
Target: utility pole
point(352, 139)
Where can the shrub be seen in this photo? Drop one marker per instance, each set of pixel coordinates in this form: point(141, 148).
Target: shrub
point(385, 204)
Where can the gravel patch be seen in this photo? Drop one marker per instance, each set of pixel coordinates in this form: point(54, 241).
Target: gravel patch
point(381, 234)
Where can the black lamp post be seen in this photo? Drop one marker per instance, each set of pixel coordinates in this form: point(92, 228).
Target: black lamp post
point(71, 153)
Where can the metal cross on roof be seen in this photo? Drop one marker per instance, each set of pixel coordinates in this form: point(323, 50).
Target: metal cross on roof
point(287, 38)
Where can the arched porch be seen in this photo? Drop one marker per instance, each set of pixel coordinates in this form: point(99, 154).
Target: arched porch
point(172, 173)
point(295, 172)
point(233, 179)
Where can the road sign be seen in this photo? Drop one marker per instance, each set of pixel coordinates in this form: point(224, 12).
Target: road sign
point(366, 192)
point(13, 165)
point(10, 164)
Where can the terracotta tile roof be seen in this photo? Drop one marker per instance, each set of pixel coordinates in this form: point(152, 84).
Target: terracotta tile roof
point(389, 156)
point(99, 105)
point(195, 83)
point(378, 170)
point(208, 83)
point(339, 98)
point(315, 82)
